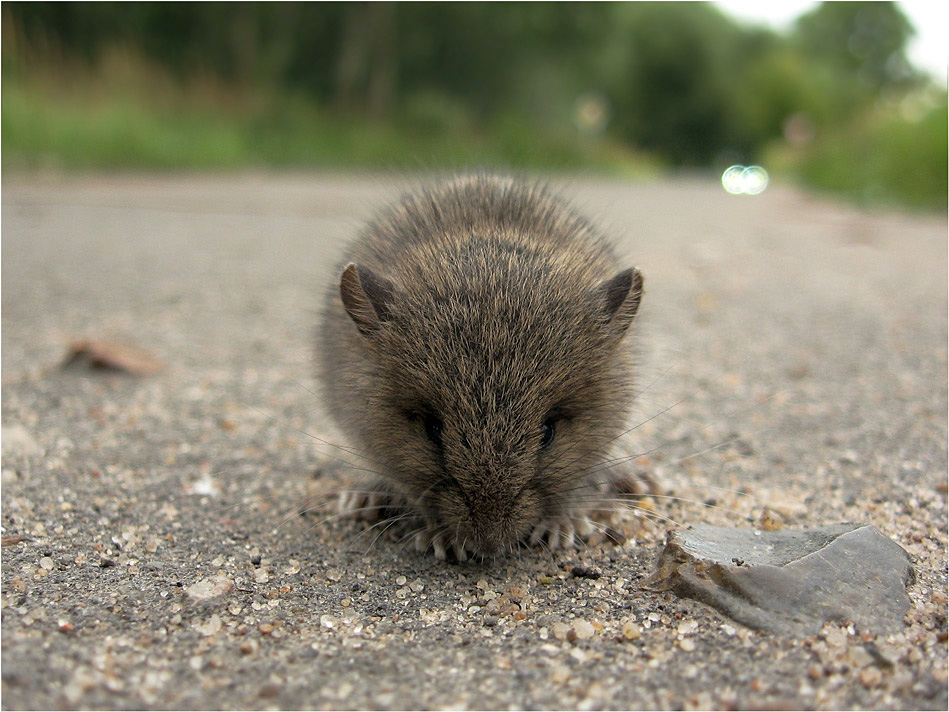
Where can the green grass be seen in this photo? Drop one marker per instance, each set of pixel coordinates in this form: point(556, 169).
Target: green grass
point(98, 123)
point(129, 116)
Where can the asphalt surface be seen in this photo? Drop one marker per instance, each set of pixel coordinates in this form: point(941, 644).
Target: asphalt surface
point(169, 539)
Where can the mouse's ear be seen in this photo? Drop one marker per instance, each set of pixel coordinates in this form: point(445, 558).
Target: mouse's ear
point(619, 298)
point(367, 296)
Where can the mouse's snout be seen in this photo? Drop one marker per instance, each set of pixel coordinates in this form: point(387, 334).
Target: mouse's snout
point(488, 521)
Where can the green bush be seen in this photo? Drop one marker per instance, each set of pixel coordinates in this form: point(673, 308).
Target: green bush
point(890, 159)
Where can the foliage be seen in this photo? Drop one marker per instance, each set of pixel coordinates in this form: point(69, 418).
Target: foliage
point(552, 85)
point(888, 159)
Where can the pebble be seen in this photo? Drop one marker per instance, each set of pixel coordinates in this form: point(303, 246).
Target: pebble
point(860, 657)
point(632, 631)
point(268, 690)
point(871, 677)
point(208, 588)
point(836, 637)
point(210, 627)
point(560, 674)
point(770, 520)
point(17, 441)
point(687, 627)
point(585, 572)
point(584, 629)
point(561, 630)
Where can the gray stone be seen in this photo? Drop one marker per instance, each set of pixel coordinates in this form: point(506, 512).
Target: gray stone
point(18, 442)
point(791, 581)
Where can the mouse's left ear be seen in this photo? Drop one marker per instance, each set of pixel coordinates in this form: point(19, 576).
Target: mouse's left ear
point(619, 298)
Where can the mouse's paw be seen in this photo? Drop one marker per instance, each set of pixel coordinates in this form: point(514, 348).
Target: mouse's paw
point(561, 532)
point(440, 544)
point(636, 484)
point(367, 506)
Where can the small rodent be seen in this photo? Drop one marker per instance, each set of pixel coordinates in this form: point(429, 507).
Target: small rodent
point(474, 352)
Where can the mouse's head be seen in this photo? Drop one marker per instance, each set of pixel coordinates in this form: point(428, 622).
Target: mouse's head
point(498, 381)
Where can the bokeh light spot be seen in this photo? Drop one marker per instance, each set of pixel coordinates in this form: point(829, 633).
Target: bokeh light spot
point(745, 180)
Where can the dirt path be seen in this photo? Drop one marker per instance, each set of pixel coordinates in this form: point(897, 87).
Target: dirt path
point(798, 345)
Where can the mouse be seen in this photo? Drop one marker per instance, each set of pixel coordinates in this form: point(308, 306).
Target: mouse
point(477, 350)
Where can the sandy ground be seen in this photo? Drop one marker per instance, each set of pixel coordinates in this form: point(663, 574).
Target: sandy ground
point(794, 357)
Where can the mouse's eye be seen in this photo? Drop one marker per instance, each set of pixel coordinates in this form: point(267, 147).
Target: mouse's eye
point(547, 432)
point(433, 429)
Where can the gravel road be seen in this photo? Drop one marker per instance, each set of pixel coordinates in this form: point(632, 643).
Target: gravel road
point(168, 539)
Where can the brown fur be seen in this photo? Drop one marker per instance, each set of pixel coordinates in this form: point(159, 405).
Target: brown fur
point(486, 305)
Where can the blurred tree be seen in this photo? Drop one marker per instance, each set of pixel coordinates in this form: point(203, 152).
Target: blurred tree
point(672, 79)
point(368, 59)
point(678, 80)
point(865, 41)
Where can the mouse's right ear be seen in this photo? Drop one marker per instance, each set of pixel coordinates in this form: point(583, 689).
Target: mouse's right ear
point(367, 296)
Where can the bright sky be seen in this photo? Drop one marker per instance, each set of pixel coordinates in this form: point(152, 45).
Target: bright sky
point(928, 50)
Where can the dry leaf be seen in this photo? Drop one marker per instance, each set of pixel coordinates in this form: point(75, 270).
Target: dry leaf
point(11, 540)
point(113, 356)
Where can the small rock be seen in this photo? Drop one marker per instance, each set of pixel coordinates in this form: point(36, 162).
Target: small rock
point(631, 631)
point(584, 629)
point(18, 442)
point(209, 588)
point(561, 630)
point(210, 627)
point(687, 627)
point(871, 677)
point(770, 520)
point(791, 581)
point(836, 637)
point(268, 690)
point(860, 657)
point(560, 674)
